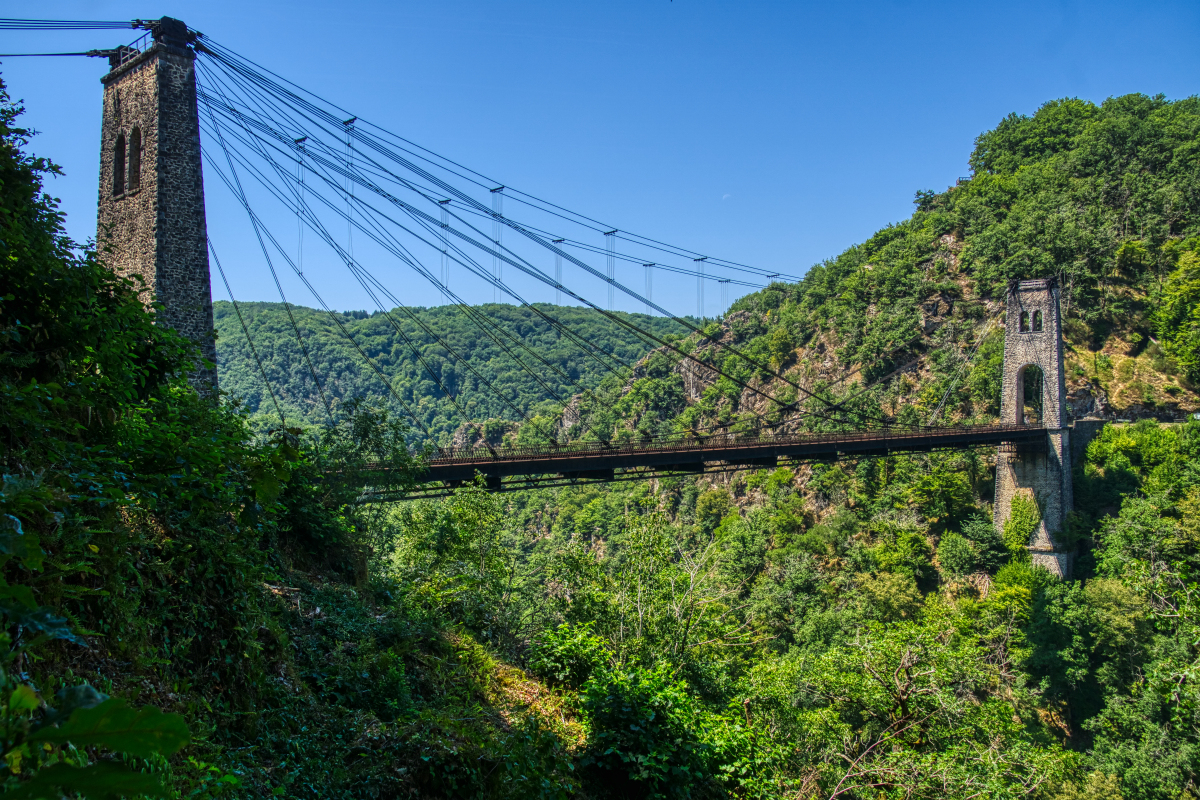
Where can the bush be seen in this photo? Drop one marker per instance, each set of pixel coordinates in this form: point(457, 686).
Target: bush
point(956, 556)
point(1021, 523)
point(647, 733)
point(989, 546)
point(711, 507)
point(569, 655)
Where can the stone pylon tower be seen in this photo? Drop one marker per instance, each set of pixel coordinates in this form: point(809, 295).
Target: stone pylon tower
point(1033, 359)
point(151, 217)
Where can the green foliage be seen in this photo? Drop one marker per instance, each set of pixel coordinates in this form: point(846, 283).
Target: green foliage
point(944, 494)
point(780, 347)
point(483, 359)
point(47, 750)
point(1097, 786)
point(890, 596)
point(712, 507)
point(956, 555)
point(1021, 141)
point(52, 751)
point(114, 725)
point(901, 547)
point(987, 546)
point(1177, 317)
point(910, 693)
point(985, 380)
point(569, 655)
point(103, 781)
point(1023, 520)
point(450, 557)
point(646, 728)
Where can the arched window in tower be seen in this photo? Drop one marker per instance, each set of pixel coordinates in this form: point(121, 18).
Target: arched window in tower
point(1037, 321)
point(135, 159)
point(119, 165)
point(1024, 322)
point(1030, 391)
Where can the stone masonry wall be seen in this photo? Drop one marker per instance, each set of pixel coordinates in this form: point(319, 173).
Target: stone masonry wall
point(1042, 473)
point(156, 230)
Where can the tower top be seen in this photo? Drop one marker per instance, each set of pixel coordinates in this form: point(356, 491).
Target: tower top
point(166, 32)
point(169, 30)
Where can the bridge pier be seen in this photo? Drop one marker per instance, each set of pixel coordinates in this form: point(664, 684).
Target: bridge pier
point(1034, 385)
point(151, 214)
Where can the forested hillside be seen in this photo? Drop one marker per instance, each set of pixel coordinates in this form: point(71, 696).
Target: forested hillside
point(1105, 199)
point(1102, 197)
point(849, 629)
point(485, 367)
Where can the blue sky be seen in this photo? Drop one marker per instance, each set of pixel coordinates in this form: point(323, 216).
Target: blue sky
point(770, 133)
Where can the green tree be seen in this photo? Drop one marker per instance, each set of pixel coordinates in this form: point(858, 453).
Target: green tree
point(1177, 317)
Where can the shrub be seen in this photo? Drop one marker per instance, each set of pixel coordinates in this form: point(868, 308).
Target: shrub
point(989, 546)
point(569, 655)
point(780, 346)
point(956, 556)
point(890, 596)
point(647, 733)
point(711, 507)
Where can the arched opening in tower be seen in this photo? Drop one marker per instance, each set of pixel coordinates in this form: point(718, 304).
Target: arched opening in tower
point(119, 166)
point(135, 159)
point(1030, 392)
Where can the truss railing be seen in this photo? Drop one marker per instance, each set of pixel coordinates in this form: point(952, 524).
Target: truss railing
point(486, 454)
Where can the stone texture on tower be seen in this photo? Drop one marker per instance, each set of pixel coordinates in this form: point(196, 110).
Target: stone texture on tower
point(151, 214)
point(1033, 337)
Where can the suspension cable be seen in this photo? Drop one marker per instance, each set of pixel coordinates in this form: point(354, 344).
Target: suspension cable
point(356, 269)
point(367, 211)
point(505, 255)
point(249, 339)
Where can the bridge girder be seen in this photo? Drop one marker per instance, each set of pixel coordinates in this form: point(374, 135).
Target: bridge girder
point(503, 469)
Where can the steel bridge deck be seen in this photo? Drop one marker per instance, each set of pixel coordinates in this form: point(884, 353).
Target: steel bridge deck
point(520, 468)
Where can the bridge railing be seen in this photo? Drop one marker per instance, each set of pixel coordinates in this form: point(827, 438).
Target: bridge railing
point(486, 454)
point(129, 52)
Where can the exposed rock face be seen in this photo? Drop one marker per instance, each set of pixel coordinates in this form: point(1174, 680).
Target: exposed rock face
point(467, 435)
point(739, 327)
point(570, 415)
point(935, 311)
point(1087, 400)
point(696, 377)
point(490, 433)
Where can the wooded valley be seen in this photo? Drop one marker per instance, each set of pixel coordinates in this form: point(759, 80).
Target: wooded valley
point(198, 603)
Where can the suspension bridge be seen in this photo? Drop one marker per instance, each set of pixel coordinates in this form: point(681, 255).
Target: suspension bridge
point(592, 462)
point(182, 112)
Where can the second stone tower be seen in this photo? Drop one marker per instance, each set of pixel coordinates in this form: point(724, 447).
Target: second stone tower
point(1034, 393)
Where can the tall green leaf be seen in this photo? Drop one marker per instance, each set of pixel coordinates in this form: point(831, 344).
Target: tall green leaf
point(106, 780)
point(113, 724)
